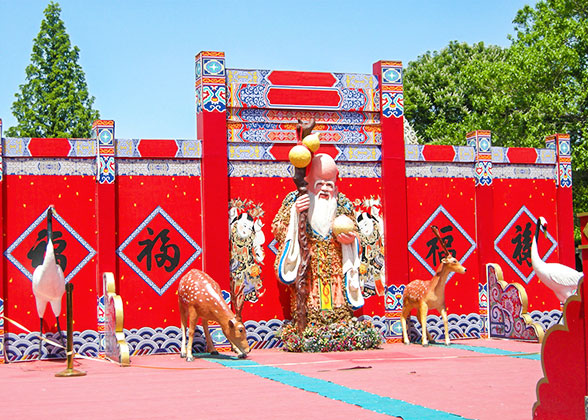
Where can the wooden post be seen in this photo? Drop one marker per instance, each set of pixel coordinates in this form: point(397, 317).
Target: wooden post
point(103, 132)
point(481, 141)
point(211, 106)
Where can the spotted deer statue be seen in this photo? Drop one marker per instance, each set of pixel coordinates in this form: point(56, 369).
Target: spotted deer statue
point(199, 296)
point(429, 294)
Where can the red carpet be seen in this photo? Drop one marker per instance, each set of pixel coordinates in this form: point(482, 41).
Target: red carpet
point(453, 380)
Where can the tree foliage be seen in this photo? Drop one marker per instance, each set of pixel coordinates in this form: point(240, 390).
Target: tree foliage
point(54, 100)
point(447, 93)
point(536, 87)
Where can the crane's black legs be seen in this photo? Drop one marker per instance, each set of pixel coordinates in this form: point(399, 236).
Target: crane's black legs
point(61, 339)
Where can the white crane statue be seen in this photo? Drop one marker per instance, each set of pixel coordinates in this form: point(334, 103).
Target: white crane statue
point(48, 282)
point(561, 279)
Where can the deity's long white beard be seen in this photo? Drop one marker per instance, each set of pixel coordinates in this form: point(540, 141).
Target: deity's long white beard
point(321, 213)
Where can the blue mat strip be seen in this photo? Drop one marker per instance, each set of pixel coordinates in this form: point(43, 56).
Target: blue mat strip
point(498, 352)
point(363, 399)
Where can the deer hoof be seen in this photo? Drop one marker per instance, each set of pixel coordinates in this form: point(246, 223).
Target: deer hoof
point(214, 353)
point(407, 343)
point(446, 342)
point(425, 344)
point(190, 359)
point(183, 354)
point(242, 356)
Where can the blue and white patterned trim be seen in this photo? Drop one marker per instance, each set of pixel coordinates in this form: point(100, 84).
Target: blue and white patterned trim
point(2, 347)
point(460, 326)
point(439, 170)
point(341, 119)
point(260, 335)
point(50, 166)
point(546, 156)
point(179, 271)
point(414, 153)
point(358, 153)
point(158, 167)
point(31, 228)
point(286, 170)
point(519, 171)
point(342, 80)
point(260, 169)
point(19, 147)
point(187, 149)
point(250, 151)
point(360, 170)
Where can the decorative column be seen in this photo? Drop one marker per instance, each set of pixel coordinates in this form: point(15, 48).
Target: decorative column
point(561, 392)
point(3, 358)
point(389, 74)
point(211, 107)
point(583, 217)
point(481, 141)
point(103, 132)
point(565, 213)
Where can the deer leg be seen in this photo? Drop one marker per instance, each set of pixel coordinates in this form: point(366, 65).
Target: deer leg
point(403, 317)
point(209, 344)
point(183, 324)
point(444, 315)
point(193, 317)
point(423, 310)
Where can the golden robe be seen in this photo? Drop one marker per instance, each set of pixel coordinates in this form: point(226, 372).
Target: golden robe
point(326, 264)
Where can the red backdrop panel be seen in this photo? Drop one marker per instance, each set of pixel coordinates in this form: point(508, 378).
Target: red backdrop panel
point(511, 198)
point(270, 192)
point(157, 218)
point(456, 196)
point(27, 198)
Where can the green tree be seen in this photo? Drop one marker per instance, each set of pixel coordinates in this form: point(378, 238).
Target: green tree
point(536, 87)
point(549, 68)
point(550, 56)
point(54, 101)
point(448, 93)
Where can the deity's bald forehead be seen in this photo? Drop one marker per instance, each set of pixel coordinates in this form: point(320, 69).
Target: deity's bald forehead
point(322, 167)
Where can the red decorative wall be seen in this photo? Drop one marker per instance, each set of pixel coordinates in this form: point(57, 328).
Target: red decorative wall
point(149, 210)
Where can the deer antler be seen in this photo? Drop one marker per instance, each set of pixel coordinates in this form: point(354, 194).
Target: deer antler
point(435, 230)
point(237, 299)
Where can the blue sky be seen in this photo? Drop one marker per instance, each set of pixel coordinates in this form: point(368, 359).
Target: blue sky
point(138, 56)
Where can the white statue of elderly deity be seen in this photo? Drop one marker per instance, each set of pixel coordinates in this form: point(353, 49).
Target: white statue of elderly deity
point(334, 284)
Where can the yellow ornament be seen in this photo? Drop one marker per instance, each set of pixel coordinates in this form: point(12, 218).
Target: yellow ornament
point(342, 224)
point(254, 271)
point(312, 141)
point(362, 269)
point(299, 156)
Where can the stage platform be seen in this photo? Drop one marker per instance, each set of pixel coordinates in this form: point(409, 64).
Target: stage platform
point(470, 379)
